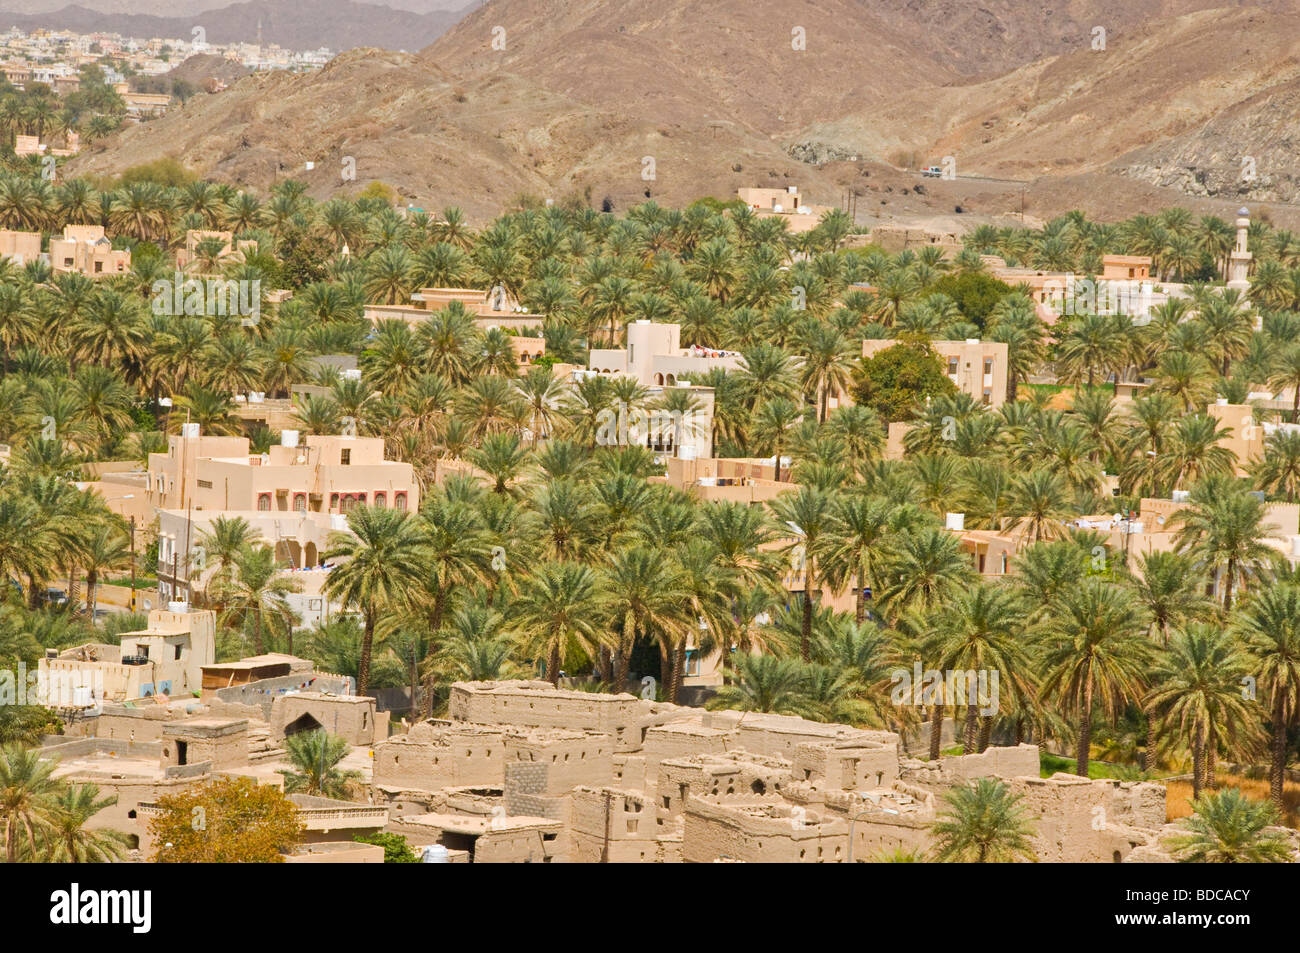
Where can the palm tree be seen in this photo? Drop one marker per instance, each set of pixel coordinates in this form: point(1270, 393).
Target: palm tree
point(454, 552)
point(773, 422)
point(980, 630)
point(1269, 626)
point(1038, 505)
point(314, 756)
point(765, 683)
point(255, 590)
point(1278, 471)
point(381, 553)
point(104, 546)
point(68, 838)
point(646, 599)
point(983, 823)
point(1197, 693)
point(28, 795)
point(1230, 828)
point(559, 611)
point(827, 364)
point(1224, 531)
point(808, 514)
point(1093, 656)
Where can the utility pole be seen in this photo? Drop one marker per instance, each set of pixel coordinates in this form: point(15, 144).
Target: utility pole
point(132, 563)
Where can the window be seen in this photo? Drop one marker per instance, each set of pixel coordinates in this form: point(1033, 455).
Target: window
point(399, 501)
point(334, 501)
point(988, 365)
point(381, 499)
point(345, 457)
point(99, 266)
point(300, 502)
point(205, 484)
point(263, 502)
point(952, 366)
point(178, 653)
point(988, 396)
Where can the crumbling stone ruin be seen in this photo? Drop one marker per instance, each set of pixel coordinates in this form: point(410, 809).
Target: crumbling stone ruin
point(522, 771)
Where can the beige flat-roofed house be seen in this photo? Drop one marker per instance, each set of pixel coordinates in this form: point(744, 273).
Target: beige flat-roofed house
point(86, 249)
point(978, 368)
point(294, 496)
point(786, 203)
point(20, 247)
point(322, 474)
point(655, 357)
point(1123, 267)
point(166, 658)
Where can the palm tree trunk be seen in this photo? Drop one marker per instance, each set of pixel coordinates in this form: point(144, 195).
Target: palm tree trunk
point(1149, 755)
point(1085, 731)
point(1198, 767)
point(859, 600)
point(805, 628)
point(970, 737)
point(986, 732)
point(367, 644)
point(1227, 584)
point(675, 679)
point(257, 631)
point(1277, 763)
point(553, 664)
point(415, 682)
point(92, 593)
point(936, 731)
point(619, 676)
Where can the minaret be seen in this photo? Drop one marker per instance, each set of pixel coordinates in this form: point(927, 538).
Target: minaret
point(1239, 261)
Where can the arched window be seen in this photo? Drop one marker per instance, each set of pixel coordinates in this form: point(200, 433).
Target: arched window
point(399, 501)
point(263, 502)
point(300, 502)
point(334, 501)
point(381, 499)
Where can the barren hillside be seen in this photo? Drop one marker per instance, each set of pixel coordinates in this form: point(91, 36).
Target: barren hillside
point(554, 97)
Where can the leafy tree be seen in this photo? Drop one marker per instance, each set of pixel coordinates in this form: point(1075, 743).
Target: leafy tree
point(893, 381)
point(227, 820)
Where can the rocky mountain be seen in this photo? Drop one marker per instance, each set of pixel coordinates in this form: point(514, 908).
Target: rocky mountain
point(295, 24)
point(685, 98)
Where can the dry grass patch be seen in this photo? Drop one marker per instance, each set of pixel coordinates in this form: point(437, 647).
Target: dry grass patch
point(1178, 798)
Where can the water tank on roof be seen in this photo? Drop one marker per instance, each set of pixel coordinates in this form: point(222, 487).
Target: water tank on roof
point(189, 430)
point(288, 438)
point(180, 606)
point(435, 854)
point(955, 522)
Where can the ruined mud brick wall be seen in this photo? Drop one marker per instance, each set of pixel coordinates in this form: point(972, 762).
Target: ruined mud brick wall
point(680, 740)
point(429, 758)
point(351, 717)
point(1011, 762)
point(757, 830)
point(610, 819)
point(1080, 820)
point(714, 776)
point(780, 735)
point(572, 758)
point(224, 744)
point(540, 705)
point(853, 765)
point(885, 820)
